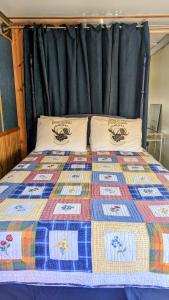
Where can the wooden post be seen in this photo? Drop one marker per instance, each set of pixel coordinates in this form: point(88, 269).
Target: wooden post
point(1, 114)
point(18, 65)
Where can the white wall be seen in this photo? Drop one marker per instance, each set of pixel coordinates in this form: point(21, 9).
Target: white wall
point(159, 93)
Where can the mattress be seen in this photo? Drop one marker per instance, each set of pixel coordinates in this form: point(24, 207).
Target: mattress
point(94, 219)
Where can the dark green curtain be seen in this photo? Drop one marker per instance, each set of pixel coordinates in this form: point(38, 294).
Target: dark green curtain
point(86, 71)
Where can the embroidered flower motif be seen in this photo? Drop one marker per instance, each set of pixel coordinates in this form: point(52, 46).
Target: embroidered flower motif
point(67, 207)
point(107, 176)
point(9, 238)
point(115, 208)
point(163, 210)
point(79, 158)
point(118, 245)
point(42, 176)
point(5, 244)
point(20, 207)
point(71, 190)
point(75, 176)
point(109, 191)
point(148, 191)
point(21, 166)
point(50, 166)
point(63, 246)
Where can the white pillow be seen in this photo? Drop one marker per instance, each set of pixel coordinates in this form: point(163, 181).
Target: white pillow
point(116, 134)
point(57, 133)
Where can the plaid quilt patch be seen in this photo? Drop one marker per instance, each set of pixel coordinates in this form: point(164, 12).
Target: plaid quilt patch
point(63, 246)
point(77, 167)
point(119, 247)
point(21, 209)
point(54, 159)
point(141, 178)
point(6, 189)
point(42, 167)
point(32, 191)
point(26, 166)
point(39, 153)
point(149, 192)
point(104, 153)
point(42, 177)
point(158, 168)
point(135, 168)
point(67, 209)
point(105, 167)
point(75, 177)
point(115, 211)
point(159, 241)
point(110, 191)
point(79, 159)
point(17, 245)
point(127, 153)
point(103, 177)
point(32, 158)
point(15, 177)
point(163, 178)
point(57, 153)
point(70, 190)
point(134, 160)
point(104, 159)
point(154, 211)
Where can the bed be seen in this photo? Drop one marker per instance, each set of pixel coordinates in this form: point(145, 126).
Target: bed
point(64, 223)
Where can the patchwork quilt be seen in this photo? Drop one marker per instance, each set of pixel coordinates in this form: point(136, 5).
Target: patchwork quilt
point(96, 219)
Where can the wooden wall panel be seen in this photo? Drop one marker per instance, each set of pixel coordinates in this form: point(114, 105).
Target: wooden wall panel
point(10, 153)
point(18, 64)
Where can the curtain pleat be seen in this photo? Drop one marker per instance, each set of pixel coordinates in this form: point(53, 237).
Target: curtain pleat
point(86, 71)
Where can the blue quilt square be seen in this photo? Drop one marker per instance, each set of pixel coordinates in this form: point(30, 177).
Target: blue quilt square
point(39, 153)
point(126, 153)
point(32, 191)
point(57, 153)
point(63, 246)
point(77, 167)
point(149, 192)
point(25, 166)
point(104, 159)
point(108, 177)
point(115, 211)
point(157, 168)
point(6, 189)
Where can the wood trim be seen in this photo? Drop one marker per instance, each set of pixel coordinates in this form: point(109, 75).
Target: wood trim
point(5, 36)
point(5, 19)
point(10, 153)
point(9, 131)
point(2, 114)
point(158, 16)
point(18, 64)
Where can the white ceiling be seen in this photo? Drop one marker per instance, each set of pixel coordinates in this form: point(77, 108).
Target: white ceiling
point(88, 7)
point(78, 7)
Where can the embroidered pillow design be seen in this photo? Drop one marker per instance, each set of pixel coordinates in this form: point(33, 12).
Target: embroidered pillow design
point(61, 133)
point(117, 131)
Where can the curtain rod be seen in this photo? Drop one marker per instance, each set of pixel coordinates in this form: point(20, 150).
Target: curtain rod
point(154, 29)
point(159, 16)
point(64, 27)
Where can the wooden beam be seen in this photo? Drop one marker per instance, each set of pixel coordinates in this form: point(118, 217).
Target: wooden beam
point(9, 131)
point(5, 19)
point(18, 65)
point(5, 36)
point(1, 114)
point(145, 17)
